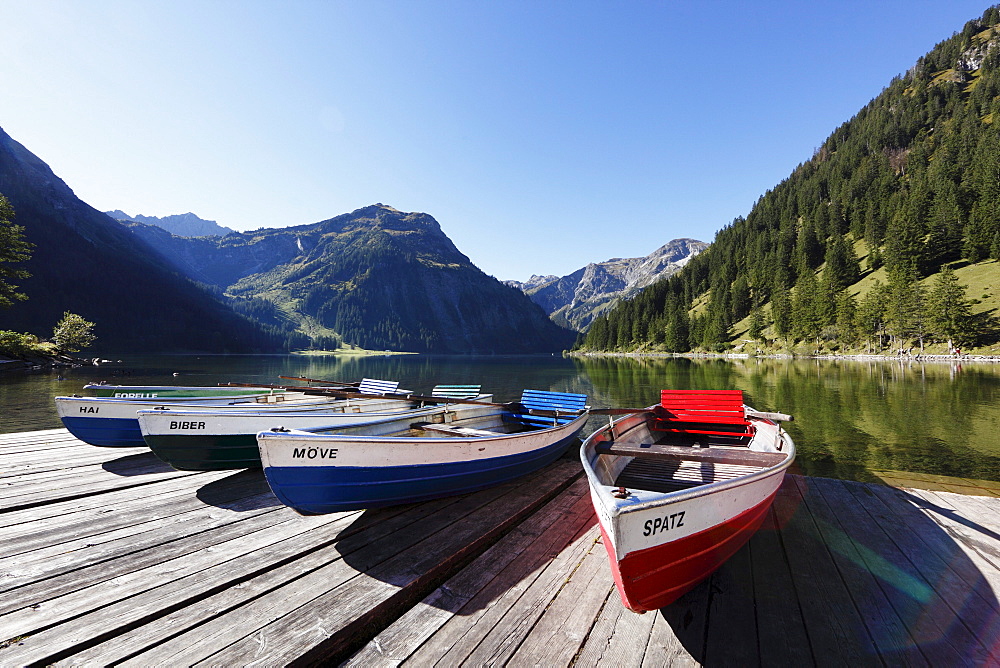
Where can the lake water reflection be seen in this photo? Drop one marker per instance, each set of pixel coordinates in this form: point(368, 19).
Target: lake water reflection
point(851, 418)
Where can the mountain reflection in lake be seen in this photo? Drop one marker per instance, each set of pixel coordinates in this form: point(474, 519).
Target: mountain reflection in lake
point(851, 418)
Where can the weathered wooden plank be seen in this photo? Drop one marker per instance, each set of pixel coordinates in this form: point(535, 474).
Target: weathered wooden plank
point(978, 542)
point(86, 484)
point(18, 439)
point(63, 446)
point(619, 637)
point(837, 632)
point(86, 617)
point(89, 509)
point(339, 622)
point(491, 626)
point(125, 465)
point(603, 628)
point(919, 605)
point(732, 630)
point(133, 571)
point(204, 625)
point(75, 554)
point(38, 464)
point(49, 447)
point(983, 511)
point(531, 544)
point(979, 563)
point(379, 539)
point(781, 631)
point(968, 590)
point(890, 634)
point(25, 435)
point(30, 441)
point(564, 625)
point(54, 448)
point(678, 633)
point(234, 492)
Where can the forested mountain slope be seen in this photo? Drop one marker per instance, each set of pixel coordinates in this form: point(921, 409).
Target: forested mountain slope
point(86, 263)
point(866, 244)
point(377, 277)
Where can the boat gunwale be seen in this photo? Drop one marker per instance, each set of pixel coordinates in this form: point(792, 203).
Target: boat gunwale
point(615, 507)
point(421, 440)
point(364, 418)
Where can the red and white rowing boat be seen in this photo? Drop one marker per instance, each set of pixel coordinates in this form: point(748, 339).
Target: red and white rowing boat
point(680, 487)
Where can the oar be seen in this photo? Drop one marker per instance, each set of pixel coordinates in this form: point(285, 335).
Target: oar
point(514, 406)
point(298, 388)
point(777, 417)
point(316, 380)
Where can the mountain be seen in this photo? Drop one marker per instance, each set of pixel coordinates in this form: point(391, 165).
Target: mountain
point(377, 277)
point(575, 300)
point(183, 224)
point(87, 263)
point(872, 240)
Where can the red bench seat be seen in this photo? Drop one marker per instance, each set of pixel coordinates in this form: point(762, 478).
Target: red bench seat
point(716, 412)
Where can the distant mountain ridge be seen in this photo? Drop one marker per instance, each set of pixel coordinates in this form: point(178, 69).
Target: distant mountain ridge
point(576, 299)
point(377, 277)
point(182, 224)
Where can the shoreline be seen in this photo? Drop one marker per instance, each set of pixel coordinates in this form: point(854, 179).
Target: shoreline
point(850, 357)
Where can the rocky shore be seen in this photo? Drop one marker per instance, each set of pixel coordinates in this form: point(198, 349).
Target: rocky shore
point(35, 362)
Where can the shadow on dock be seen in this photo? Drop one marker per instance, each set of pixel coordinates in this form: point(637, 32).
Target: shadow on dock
point(239, 492)
point(850, 571)
point(141, 464)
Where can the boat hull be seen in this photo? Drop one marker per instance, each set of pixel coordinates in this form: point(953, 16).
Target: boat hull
point(655, 577)
point(332, 475)
point(687, 517)
point(207, 441)
point(112, 422)
point(108, 432)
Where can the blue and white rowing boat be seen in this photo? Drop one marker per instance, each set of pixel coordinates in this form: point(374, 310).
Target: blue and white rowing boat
point(464, 449)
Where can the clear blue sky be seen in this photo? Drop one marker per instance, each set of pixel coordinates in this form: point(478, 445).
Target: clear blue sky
point(542, 135)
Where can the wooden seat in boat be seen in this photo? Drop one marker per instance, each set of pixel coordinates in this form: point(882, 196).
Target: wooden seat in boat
point(738, 456)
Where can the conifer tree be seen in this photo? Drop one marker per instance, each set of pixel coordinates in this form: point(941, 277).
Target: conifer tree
point(781, 313)
point(13, 250)
point(842, 268)
point(949, 311)
point(871, 314)
point(806, 315)
point(757, 324)
point(905, 305)
point(847, 329)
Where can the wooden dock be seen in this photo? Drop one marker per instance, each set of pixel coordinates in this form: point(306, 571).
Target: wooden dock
point(108, 557)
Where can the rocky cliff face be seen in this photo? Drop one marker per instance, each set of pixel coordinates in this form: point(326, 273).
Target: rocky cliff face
point(575, 300)
point(182, 224)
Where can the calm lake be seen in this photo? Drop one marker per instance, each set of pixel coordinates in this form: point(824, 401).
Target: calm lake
point(852, 419)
